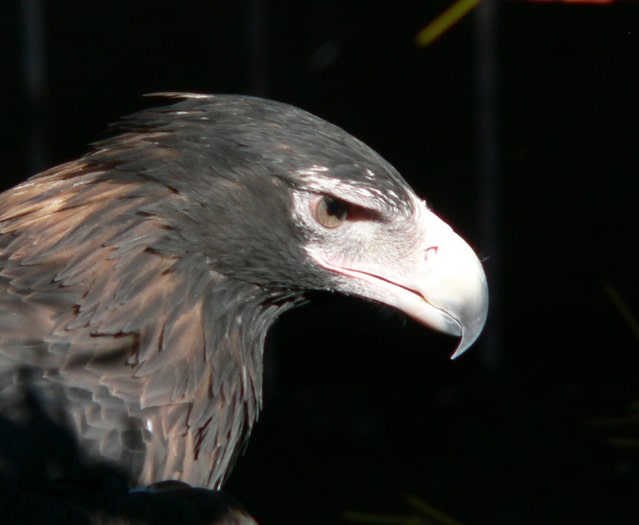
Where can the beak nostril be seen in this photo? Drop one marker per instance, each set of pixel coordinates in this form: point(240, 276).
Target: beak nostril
point(431, 251)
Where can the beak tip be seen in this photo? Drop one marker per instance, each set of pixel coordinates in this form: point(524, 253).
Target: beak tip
point(458, 351)
point(461, 348)
point(472, 329)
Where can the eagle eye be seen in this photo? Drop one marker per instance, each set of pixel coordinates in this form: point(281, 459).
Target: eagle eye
point(331, 212)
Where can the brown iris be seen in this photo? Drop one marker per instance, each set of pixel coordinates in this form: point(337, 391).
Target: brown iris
point(331, 212)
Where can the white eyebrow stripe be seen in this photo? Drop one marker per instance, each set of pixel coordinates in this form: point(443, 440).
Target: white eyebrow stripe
point(350, 191)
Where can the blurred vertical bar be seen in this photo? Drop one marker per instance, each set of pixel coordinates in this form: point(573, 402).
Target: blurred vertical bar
point(31, 26)
point(488, 166)
point(255, 45)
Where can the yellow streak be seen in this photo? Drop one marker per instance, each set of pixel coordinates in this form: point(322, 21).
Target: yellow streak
point(444, 22)
point(622, 307)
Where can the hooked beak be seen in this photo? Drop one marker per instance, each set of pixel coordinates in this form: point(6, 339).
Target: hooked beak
point(439, 282)
point(452, 285)
point(434, 277)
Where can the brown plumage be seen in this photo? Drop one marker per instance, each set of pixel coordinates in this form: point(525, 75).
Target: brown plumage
point(119, 329)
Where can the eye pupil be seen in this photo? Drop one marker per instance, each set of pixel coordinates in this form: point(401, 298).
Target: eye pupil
point(331, 212)
point(335, 208)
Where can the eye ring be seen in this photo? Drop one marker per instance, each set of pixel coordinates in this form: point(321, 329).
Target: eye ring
point(330, 212)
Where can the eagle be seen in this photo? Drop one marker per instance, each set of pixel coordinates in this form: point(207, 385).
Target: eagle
point(138, 282)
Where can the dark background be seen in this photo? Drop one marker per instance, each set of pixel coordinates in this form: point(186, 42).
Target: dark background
point(362, 406)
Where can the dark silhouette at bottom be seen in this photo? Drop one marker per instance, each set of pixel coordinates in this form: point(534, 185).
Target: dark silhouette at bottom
point(44, 480)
